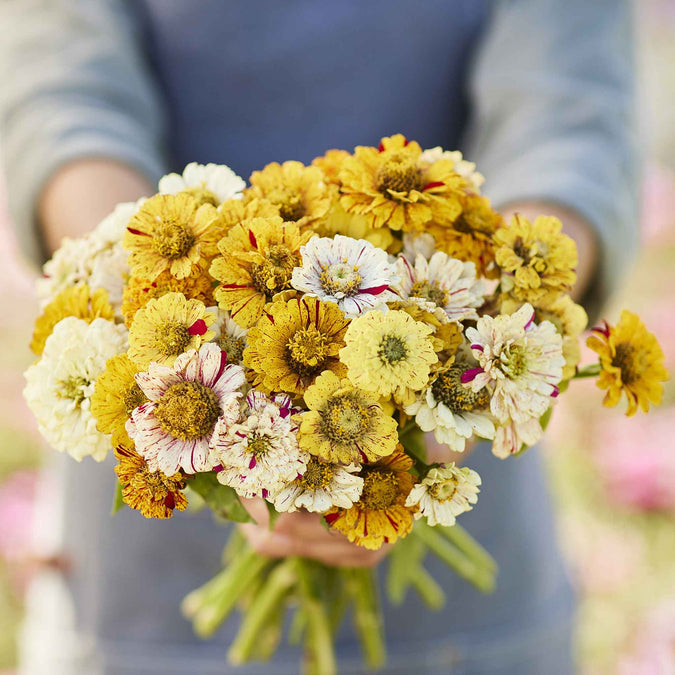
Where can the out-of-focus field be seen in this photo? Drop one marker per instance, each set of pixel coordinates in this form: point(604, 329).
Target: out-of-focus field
point(614, 479)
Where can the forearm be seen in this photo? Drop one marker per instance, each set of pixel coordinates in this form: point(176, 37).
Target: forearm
point(81, 193)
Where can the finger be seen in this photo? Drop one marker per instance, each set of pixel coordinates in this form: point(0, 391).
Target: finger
point(440, 452)
point(257, 509)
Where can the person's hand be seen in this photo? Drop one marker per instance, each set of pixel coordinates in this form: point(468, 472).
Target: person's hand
point(302, 534)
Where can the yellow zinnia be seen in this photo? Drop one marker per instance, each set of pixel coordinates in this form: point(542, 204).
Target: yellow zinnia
point(345, 424)
point(139, 291)
point(392, 188)
point(294, 342)
point(115, 397)
point(167, 327)
point(299, 192)
point(235, 211)
point(380, 516)
point(631, 361)
point(79, 302)
point(536, 259)
point(153, 493)
point(171, 232)
point(256, 262)
point(389, 354)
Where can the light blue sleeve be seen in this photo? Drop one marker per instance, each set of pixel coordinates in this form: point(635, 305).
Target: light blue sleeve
point(73, 84)
point(553, 118)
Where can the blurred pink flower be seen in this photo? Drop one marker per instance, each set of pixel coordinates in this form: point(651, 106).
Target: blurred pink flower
point(17, 496)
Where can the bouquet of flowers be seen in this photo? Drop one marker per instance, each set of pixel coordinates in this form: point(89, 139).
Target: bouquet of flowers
point(293, 341)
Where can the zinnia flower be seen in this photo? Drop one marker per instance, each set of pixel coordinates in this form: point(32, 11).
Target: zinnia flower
point(77, 301)
point(442, 282)
point(631, 362)
point(175, 428)
point(207, 183)
point(260, 455)
point(392, 187)
point(153, 493)
point(351, 273)
point(388, 354)
point(167, 327)
point(444, 493)
point(299, 192)
point(256, 262)
point(229, 336)
point(294, 342)
point(171, 232)
point(536, 259)
point(345, 424)
point(60, 385)
point(321, 487)
point(465, 169)
point(380, 516)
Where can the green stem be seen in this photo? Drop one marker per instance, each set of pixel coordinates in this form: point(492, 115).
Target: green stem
point(262, 609)
point(588, 371)
point(465, 567)
point(429, 590)
point(468, 545)
point(368, 615)
point(412, 439)
point(404, 561)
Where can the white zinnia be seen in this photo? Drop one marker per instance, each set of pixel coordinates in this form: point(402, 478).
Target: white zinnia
point(443, 282)
point(260, 455)
point(511, 437)
point(218, 179)
point(452, 411)
point(60, 385)
point(418, 244)
point(352, 273)
point(321, 487)
point(444, 493)
point(465, 169)
point(229, 335)
point(520, 362)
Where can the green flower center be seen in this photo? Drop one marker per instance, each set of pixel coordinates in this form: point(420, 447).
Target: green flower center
point(444, 491)
point(258, 445)
point(172, 337)
point(345, 419)
point(392, 349)
point(188, 410)
point(202, 195)
point(308, 350)
point(291, 205)
point(232, 346)
point(380, 489)
point(513, 361)
point(133, 397)
point(274, 273)
point(448, 389)
point(172, 240)
point(317, 476)
point(429, 290)
point(341, 278)
point(73, 389)
point(399, 174)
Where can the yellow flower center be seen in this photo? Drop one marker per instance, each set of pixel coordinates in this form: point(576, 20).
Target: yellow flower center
point(380, 490)
point(172, 240)
point(308, 349)
point(274, 273)
point(448, 389)
point(291, 205)
point(317, 476)
point(341, 278)
point(172, 337)
point(73, 389)
point(429, 290)
point(344, 419)
point(629, 361)
point(258, 446)
point(133, 397)
point(202, 195)
point(392, 349)
point(232, 346)
point(513, 361)
point(188, 410)
point(444, 491)
point(399, 174)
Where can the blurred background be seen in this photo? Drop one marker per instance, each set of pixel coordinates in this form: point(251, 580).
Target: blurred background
point(614, 479)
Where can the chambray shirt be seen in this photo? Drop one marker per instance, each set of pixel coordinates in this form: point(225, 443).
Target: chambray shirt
point(538, 92)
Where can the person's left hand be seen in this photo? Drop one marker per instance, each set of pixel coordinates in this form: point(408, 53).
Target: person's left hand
point(302, 534)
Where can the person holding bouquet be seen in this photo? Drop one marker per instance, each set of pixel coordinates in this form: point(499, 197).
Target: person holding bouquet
point(100, 99)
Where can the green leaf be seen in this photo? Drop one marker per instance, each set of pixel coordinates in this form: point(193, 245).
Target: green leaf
point(274, 514)
point(221, 499)
point(118, 502)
